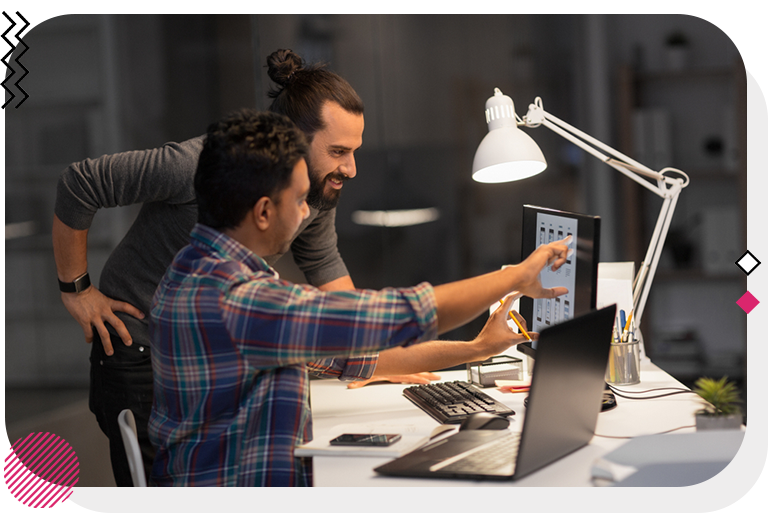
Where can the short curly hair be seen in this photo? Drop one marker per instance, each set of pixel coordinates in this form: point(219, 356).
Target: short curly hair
point(246, 156)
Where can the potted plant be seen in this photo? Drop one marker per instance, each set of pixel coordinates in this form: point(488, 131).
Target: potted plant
point(721, 404)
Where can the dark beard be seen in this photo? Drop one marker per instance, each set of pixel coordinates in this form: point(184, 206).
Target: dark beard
point(317, 198)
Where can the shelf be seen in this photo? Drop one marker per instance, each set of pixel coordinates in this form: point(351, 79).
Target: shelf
point(710, 180)
point(695, 275)
point(724, 73)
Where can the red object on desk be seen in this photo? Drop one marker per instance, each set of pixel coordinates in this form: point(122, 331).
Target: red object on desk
point(514, 387)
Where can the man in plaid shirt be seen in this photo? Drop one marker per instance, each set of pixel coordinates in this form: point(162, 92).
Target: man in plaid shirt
point(232, 340)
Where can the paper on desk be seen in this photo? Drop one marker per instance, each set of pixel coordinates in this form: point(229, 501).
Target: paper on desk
point(614, 285)
point(614, 290)
point(610, 291)
point(320, 446)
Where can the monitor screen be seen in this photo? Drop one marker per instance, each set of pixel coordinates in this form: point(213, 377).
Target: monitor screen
point(579, 273)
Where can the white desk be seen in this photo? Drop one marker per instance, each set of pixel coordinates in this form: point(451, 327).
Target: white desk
point(334, 408)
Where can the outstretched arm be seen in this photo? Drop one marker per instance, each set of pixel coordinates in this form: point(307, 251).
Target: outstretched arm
point(495, 338)
point(461, 301)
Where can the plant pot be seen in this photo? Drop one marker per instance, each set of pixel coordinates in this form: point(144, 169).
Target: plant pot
point(706, 422)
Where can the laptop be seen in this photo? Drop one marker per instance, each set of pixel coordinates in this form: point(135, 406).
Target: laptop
point(563, 403)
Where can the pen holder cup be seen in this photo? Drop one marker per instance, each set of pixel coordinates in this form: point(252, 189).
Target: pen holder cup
point(623, 363)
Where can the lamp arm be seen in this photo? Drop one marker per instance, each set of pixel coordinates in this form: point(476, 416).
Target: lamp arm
point(647, 271)
point(666, 187)
point(613, 163)
point(538, 116)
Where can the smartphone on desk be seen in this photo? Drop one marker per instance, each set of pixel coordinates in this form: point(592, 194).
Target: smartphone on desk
point(366, 439)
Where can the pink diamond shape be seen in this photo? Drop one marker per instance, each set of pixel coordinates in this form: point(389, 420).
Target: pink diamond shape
point(747, 302)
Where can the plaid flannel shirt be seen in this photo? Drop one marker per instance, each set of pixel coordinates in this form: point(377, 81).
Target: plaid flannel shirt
point(231, 342)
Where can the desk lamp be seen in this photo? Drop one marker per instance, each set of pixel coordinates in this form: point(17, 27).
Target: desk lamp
point(508, 154)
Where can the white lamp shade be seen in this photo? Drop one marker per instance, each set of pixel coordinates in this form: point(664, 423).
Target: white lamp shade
point(507, 154)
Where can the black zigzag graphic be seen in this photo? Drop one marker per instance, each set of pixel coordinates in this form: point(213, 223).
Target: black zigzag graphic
point(17, 59)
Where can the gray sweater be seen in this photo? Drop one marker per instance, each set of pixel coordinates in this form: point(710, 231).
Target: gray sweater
point(162, 180)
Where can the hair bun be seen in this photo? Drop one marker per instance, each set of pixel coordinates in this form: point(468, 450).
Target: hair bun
point(282, 64)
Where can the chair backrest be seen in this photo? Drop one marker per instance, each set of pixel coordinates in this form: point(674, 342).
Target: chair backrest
point(128, 431)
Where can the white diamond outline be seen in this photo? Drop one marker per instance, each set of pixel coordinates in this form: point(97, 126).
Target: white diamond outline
point(757, 262)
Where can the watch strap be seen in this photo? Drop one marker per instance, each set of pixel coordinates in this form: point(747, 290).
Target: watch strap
point(80, 284)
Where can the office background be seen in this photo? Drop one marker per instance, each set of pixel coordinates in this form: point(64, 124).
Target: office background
point(667, 90)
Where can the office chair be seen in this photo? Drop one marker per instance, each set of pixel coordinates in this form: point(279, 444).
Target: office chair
point(128, 431)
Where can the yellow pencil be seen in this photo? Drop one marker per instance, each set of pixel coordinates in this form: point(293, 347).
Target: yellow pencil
point(519, 326)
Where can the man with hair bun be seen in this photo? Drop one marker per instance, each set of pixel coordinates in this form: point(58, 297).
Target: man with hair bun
point(114, 315)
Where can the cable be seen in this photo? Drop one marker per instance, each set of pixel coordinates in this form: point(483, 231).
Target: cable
point(652, 434)
point(675, 392)
point(651, 390)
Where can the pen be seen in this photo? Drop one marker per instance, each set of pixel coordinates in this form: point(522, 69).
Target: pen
point(522, 331)
point(625, 333)
point(623, 319)
point(519, 326)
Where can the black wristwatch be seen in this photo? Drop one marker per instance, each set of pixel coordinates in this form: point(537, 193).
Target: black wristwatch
point(80, 284)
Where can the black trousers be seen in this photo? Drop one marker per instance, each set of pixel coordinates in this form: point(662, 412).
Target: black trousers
point(120, 381)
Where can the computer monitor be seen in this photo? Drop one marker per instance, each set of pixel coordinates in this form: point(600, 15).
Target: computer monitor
point(579, 274)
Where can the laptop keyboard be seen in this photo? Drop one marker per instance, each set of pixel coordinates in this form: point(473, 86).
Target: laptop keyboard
point(452, 402)
point(498, 456)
